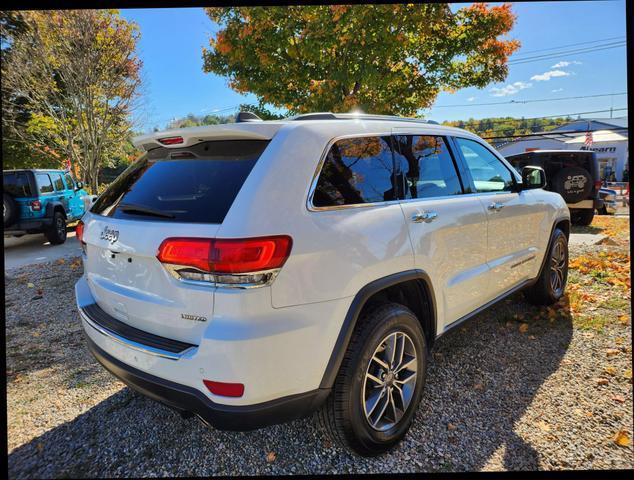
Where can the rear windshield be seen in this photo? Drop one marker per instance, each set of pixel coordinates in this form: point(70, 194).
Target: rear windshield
point(16, 184)
point(194, 184)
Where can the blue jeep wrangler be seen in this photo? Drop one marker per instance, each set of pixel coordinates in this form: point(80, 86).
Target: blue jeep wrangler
point(41, 201)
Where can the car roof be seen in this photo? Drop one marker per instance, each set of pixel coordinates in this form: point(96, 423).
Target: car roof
point(266, 129)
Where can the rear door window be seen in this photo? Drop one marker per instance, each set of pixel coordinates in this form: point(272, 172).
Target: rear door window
point(44, 183)
point(196, 184)
point(356, 171)
point(427, 165)
point(16, 184)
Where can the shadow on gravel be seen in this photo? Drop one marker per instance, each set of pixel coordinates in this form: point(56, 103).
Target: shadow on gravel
point(482, 378)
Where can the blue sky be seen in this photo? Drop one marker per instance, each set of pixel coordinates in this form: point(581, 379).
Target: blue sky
point(175, 85)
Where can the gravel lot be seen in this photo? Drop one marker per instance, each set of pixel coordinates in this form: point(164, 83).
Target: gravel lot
point(507, 391)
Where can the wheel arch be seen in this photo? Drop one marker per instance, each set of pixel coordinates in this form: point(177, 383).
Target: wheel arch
point(412, 288)
point(53, 207)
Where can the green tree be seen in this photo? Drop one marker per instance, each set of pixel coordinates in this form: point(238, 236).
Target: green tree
point(389, 59)
point(70, 79)
point(261, 111)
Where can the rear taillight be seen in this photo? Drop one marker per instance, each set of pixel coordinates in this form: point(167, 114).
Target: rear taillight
point(225, 389)
point(226, 262)
point(36, 205)
point(79, 231)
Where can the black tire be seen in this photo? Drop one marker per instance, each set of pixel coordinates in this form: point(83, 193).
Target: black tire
point(10, 209)
point(582, 217)
point(543, 292)
point(343, 415)
point(573, 184)
point(56, 234)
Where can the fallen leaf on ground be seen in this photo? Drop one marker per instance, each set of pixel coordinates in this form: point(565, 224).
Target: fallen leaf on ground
point(618, 398)
point(622, 439)
point(543, 426)
point(612, 351)
point(451, 426)
point(270, 457)
point(60, 261)
point(524, 327)
point(30, 285)
point(610, 370)
point(624, 319)
point(479, 386)
point(602, 381)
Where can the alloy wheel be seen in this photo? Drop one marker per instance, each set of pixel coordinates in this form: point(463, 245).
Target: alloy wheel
point(558, 267)
point(390, 380)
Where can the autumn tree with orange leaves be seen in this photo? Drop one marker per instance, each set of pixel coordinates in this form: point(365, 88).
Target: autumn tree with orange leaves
point(386, 59)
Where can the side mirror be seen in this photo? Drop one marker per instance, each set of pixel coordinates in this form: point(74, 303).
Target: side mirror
point(533, 177)
point(79, 185)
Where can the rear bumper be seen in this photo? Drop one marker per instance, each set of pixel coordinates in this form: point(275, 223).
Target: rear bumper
point(223, 417)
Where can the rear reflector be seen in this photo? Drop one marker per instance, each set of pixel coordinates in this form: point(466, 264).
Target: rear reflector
point(36, 206)
point(225, 389)
point(171, 140)
point(227, 256)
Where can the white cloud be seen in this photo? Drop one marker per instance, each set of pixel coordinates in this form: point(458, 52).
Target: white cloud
point(565, 64)
point(471, 99)
point(557, 90)
point(510, 89)
point(544, 77)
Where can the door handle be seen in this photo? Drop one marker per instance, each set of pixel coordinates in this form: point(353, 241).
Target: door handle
point(426, 216)
point(496, 206)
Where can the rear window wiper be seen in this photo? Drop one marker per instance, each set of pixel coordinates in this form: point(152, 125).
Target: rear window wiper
point(143, 210)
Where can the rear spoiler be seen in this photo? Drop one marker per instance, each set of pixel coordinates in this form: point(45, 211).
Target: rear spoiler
point(184, 137)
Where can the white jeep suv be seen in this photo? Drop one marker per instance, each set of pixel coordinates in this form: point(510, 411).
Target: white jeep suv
point(255, 272)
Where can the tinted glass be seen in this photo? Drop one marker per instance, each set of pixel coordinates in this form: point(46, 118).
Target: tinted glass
point(427, 166)
point(356, 170)
point(16, 184)
point(194, 184)
point(69, 181)
point(44, 183)
point(57, 181)
point(488, 172)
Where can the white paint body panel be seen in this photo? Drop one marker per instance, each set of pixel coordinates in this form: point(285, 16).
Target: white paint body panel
point(277, 339)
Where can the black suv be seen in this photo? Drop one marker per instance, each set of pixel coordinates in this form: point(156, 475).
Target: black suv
point(573, 174)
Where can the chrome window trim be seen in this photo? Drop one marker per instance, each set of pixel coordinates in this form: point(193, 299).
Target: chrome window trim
point(313, 185)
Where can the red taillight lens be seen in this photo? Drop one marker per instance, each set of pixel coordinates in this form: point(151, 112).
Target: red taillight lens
point(36, 206)
point(191, 252)
point(225, 389)
point(171, 140)
point(227, 256)
point(79, 231)
point(251, 254)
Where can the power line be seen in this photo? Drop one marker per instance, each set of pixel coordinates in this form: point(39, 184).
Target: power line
point(559, 54)
point(529, 101)
point(520, 54)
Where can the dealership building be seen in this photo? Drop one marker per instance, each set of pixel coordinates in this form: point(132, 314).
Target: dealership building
point(609, 141)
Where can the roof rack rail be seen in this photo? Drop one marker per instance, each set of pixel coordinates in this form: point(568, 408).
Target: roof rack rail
point(360, 116)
